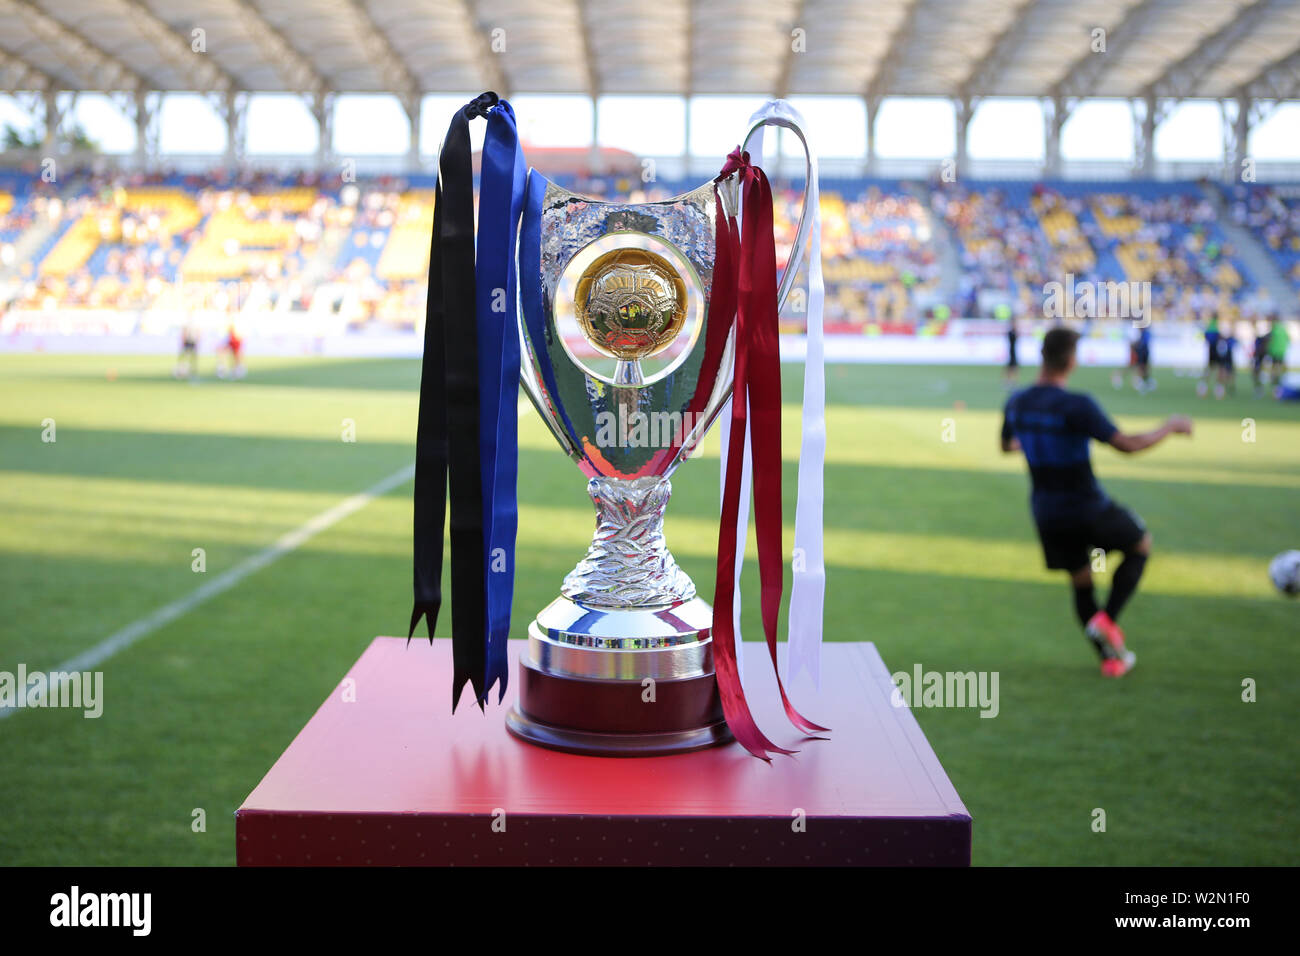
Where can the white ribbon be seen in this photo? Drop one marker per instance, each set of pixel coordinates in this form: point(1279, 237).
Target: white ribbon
point(808, 593)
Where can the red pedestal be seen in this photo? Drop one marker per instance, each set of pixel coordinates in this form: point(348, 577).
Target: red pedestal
point(391, 777)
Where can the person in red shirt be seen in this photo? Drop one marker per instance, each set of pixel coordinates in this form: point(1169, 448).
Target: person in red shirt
point(234, 367)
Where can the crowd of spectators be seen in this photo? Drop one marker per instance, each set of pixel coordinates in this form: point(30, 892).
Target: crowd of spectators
point(1002, 248)
point(134, 241)
point(1173, 241)
point(1274, 217)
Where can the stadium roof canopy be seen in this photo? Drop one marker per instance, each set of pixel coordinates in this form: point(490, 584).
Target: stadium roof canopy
point(966, 49)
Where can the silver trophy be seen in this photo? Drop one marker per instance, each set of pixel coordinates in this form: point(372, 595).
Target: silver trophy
point(621, 361)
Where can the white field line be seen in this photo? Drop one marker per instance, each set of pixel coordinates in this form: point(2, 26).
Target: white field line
point(92, 657)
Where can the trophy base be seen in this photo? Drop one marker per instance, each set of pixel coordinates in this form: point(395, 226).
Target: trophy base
point(617, 718)
point(591, 744)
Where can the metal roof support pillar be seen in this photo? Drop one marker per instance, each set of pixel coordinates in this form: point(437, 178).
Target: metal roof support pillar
point(322, 110)
point(53, 122)
point(873, 107)
point(1236, 135)
point(962, 112)
point(1144, 135)
point(234, 109)
point(1243, 135)
point(144, 111)
point(414, 107)
point(1055, 114)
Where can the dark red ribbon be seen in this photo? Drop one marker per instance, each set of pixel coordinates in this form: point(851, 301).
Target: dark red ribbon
point(745, 283)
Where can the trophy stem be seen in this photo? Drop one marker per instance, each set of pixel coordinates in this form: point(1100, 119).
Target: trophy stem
point(628, 563)
point(627, 373)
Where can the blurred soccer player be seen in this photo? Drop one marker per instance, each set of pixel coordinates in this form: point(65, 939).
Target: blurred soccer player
point(1257, 357)
point(1117, 376)
point(1223, 349)
point(1073, 514)
point(1278, 340)
point(1011, 374)
point(1211, 343)
point(189, 354)
point(1142, 380)
point(234, 367)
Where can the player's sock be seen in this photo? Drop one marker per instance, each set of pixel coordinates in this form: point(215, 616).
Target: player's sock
point(1125, 582)
point(1085, 603)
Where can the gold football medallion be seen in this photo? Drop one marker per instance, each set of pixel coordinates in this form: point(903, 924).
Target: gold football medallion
point(630, 303)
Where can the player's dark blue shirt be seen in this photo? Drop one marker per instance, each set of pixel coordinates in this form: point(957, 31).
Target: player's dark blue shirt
point(1054, 428)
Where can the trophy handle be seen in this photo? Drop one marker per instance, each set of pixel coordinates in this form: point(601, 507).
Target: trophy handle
point(535, 394)
point(781, 113)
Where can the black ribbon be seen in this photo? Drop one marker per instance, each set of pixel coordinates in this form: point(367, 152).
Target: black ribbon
point(446, 439)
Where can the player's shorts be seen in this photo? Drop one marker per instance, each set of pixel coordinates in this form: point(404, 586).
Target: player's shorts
point(1142, 355)
point(1115, 528)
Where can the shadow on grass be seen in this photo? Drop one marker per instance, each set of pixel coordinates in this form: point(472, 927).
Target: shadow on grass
point(378, 374)
point(291, 463)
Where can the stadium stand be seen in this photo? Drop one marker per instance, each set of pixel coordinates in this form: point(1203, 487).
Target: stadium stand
point(878, 252)
point(1001, 245)
point(1272, 214)
point(264, 243)
point(1167, 234)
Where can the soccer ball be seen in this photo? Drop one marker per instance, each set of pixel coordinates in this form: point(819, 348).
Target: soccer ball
point(1284, 571)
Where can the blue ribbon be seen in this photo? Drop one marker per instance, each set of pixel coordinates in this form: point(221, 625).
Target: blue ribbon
point(501, 200)
point(530, 296)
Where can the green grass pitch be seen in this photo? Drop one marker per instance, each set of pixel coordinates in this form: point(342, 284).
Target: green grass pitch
point(930, 554)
